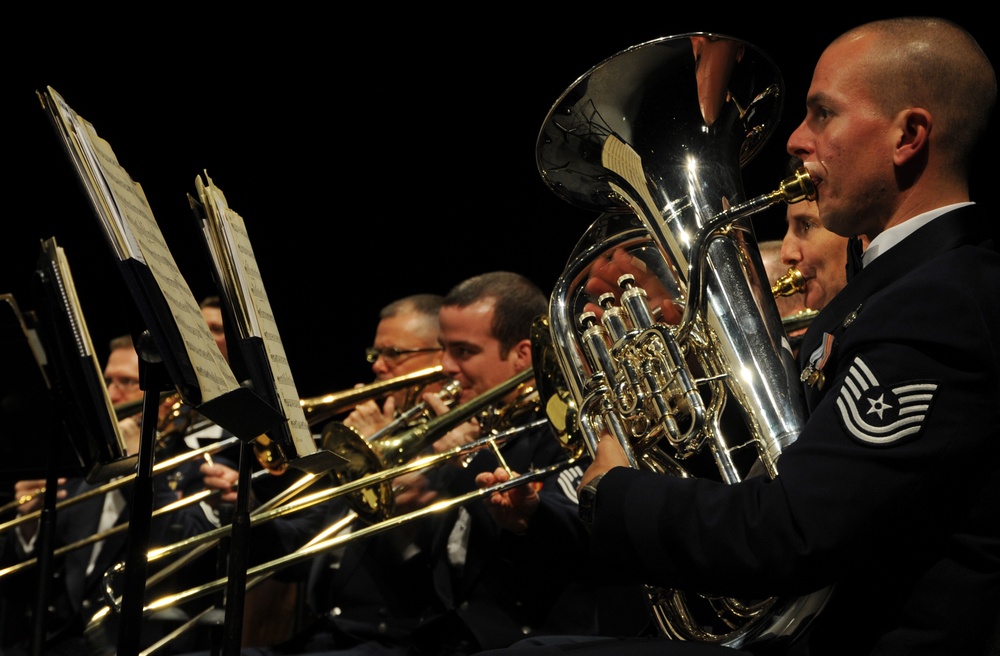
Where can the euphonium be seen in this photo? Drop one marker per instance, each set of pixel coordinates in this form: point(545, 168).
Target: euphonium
point(663, 312)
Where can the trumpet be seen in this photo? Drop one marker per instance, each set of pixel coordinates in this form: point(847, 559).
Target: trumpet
point(789, 284)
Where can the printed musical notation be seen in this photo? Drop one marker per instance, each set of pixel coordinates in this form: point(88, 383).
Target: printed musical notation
point(133, 235)
point(233, 257)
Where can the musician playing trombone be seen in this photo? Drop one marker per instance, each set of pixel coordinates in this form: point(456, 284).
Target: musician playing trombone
point(406, 341)
point(77, 591)
point(459, 582)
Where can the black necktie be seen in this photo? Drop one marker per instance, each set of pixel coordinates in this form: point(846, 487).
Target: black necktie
point(854, 261)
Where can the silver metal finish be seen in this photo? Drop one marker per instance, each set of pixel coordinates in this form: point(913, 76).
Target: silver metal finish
point(655, 138)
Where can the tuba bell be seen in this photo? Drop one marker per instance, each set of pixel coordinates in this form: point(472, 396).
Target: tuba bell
point(664, 314)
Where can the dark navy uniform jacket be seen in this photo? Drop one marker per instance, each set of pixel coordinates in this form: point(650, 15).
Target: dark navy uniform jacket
point(75, 596)
point(891, 492)
point(510, 586)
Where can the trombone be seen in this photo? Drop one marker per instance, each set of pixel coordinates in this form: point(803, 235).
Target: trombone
point(317, 548)
point(320, 408)
point(316, 409)
point(158, 468)
point(366, 479)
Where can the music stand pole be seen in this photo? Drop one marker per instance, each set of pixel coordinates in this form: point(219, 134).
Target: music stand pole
point(141, 508)
point(45, 546)
point(238, 559)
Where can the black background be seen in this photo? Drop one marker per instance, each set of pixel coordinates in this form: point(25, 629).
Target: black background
point(371, 157)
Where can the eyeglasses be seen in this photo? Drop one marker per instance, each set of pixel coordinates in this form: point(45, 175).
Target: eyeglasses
point(391, 353)
point(123, 383)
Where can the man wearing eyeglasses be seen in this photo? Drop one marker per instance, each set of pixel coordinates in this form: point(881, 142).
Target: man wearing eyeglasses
point(77, 588)
point(406, 341)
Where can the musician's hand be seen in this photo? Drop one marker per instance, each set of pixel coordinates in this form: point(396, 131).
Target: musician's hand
point(604, 275)
point(609, 455)
point(131, 434)
point(511, 510)
point(31, 494)
point(435, 403)
point(223, 478)
point(411, 492)
point(456, 437)
point(368, 418)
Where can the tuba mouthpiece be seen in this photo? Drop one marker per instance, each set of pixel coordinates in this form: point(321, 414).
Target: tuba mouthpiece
point(798, 187)
point(789, 284)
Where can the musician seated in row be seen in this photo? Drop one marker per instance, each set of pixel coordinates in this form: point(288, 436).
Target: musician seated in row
point(406, 341)
point(77, 588)
point(886, 503)
point(457, 581)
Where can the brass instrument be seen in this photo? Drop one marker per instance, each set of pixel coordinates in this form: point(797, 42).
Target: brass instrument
point(792, 282)
point(367, 477)
point(448, 393)
point(271, 454)
point(654, 137)
point(366, 457)
point(799, 320)
point(158, 468)
point(320, 408)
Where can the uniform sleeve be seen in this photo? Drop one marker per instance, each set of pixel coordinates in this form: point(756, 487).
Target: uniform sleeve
point(894, 454)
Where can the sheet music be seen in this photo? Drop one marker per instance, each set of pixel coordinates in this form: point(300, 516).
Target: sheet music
point(63, 279)
point(236, 265)
point(133, 233)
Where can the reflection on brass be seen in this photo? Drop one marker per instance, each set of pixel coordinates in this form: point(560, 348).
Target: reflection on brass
point(793, 282)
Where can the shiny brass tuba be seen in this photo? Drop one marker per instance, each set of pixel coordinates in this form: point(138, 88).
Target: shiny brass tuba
point(664, 313)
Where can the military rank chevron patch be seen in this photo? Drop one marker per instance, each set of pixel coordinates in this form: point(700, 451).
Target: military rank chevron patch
point(876, 414)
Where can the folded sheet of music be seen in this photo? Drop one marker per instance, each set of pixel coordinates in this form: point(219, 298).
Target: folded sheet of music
point(134, 235)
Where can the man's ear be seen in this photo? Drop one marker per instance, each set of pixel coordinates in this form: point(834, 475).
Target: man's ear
point(522, 354)
point(915, 130)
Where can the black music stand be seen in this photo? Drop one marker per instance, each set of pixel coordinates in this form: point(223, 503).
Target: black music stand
point(176, 345)
point(28, 410)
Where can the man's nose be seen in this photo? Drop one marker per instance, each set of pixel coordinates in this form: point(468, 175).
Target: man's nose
point(798, 142)
point(448, 364)
point(791, 254)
